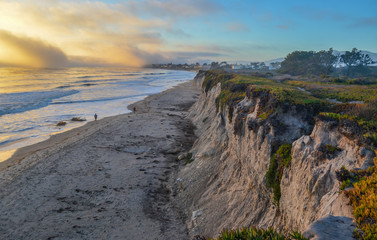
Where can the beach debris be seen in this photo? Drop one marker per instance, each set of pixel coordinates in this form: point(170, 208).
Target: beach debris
point(78, 119)
point(61, 123)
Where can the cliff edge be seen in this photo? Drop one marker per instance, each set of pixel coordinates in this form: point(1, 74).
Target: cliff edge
point(238, 175)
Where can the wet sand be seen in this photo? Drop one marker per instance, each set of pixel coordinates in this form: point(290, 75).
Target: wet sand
point(113, 178)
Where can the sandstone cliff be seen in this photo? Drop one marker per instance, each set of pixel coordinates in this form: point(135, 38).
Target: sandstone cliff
point(225, 186)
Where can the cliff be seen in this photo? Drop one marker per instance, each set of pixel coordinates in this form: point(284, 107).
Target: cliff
point(225, 186)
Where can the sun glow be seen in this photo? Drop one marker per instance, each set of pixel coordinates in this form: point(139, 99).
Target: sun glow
point(56, 34)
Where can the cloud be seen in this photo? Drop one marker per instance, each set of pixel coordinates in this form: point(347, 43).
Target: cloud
point(24, 51)
point(178, 32)
point(312, 13)
point(193, 56)
point(283, 26)
point(51, 33)
point(174, 8)
point(365, 22)
point(237, 27)
point(205, 48)
point(86, 33)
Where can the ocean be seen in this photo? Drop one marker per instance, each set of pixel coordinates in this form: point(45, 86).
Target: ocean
point(33, 101)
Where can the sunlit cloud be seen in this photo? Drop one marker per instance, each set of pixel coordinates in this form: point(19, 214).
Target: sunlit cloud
point(174, 8)
point(54, 33)
point(94, 32)
point(24, 51)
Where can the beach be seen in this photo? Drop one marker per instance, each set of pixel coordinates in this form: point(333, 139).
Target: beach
point(113, 178)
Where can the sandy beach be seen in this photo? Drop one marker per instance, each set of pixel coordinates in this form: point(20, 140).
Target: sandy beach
point(110, 179)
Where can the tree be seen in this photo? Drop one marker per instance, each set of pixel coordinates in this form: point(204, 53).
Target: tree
point(356, 62)
point(327, 60)
point(215, 65)
point(262, 66)
point(275, 65)
point(254, 65)
point(298, 63)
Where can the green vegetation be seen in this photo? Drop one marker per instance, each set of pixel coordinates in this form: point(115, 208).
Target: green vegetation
point(322, 62)
point(339, 92)
point(331, 149)
point(189, 158)
point(356, 62)
point(279, 160)
point(328, 98)
point(309, 62)
point(363, 198)
point(234, 88)
point(345, 184)
point(253, 233)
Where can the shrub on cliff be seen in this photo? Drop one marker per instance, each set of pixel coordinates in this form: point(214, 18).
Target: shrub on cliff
point(363, 198)
point(253, 233)
point(279, 160)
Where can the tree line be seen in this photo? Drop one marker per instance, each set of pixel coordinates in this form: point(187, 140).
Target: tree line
point(323, 62)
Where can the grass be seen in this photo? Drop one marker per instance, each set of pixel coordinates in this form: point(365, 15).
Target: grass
point(340, 92)
point(279, 160)
point(253, 233)
point(367, 124)
point(331, 149)
point(234, 88)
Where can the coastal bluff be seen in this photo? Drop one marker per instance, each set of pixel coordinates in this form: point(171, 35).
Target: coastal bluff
point(225, 185)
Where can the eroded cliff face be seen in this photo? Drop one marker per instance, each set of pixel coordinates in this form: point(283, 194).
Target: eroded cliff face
point(225, 186)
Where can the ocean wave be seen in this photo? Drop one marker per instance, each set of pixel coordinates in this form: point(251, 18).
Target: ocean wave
point(14, 140)
point(102, 99)
point(64, 86)
point(25, 101)
point(154, 73)
point(99, 80)
point(88, 84)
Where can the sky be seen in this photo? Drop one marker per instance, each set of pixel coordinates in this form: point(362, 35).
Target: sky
point(65, 33)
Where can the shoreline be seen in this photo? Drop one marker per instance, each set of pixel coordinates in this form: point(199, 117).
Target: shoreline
point(27, 127)
point(14, 153)
point(86, 181)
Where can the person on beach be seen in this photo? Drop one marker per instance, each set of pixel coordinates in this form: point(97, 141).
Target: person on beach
point(95, 117)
